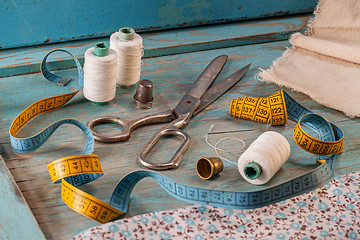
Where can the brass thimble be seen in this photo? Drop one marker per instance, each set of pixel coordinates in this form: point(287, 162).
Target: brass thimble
point(206, 168)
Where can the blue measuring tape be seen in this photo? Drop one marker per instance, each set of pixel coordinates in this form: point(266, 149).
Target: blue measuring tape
point(322, 174)
point(77, 170)
point(25, 145)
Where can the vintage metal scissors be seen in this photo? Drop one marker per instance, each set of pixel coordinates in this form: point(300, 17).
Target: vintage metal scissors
point(198, 97)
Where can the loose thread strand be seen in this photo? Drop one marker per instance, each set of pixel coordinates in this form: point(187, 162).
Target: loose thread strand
point(216, 149)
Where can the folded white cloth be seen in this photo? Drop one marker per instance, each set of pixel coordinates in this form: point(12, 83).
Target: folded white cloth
point(324, 63)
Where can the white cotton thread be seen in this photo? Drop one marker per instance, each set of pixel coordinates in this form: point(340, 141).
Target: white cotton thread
point(269, 151)
point(100, 76)
point(129, 50)
point(220, 149)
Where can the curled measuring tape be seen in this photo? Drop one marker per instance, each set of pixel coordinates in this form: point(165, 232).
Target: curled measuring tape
point(277, 107)
point(274, 109)
point(74, 170)
point(80, 169)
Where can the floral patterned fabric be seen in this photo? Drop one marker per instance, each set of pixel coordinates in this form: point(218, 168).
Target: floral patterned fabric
point(329, 212)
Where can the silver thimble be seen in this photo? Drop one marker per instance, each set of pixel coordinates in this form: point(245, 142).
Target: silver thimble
point(144, 94)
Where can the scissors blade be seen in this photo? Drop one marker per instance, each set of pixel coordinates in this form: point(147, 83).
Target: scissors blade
point(221, 87)
point(191, 100)
point(205, 79)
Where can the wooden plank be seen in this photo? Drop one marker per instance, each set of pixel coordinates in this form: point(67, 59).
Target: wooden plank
point(27, 60)
point(171, 75)
point(17, 220)
point(31, 22)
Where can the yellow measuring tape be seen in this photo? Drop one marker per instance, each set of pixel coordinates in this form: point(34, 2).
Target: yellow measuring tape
point(271, 109)
point(274, 109)
point(70, 171)
point(41, 106)
point(76, 199)
point(80, 169)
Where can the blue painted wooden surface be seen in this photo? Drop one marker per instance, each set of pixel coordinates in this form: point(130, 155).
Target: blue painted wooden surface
point(35, 22)
point(17, 220)
point(257, 41)
point(171, 75)
point(27, 60)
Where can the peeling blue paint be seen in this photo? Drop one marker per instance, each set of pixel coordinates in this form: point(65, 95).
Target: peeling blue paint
point(31, 22)
point(15, 209)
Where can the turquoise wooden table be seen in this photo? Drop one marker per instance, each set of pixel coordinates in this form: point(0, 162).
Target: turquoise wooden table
point(31, 205)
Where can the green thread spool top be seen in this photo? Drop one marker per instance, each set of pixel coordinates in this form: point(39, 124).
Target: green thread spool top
point(101, 49)
point(252, 170)
point(126, 33)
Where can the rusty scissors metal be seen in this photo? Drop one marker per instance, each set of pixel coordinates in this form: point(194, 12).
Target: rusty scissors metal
point(198, 97)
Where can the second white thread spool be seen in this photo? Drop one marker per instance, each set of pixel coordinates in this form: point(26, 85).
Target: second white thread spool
point(100, 73)
point(264, 157)
point(129, 47)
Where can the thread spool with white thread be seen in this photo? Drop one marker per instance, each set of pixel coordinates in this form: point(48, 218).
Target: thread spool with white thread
point(264, 157)
point(129, 47)
point(100, 73)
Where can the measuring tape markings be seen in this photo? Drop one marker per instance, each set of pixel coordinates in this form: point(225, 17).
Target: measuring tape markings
point(271, 109)
point(24, 145)
point(88, 205)
point(74, 170)
point(277, 109)
point(70, 171)
point(80, 169)
point(77, 170)
point(239, 200)
point(331, 137)
point(232, 199)
point(282, 105)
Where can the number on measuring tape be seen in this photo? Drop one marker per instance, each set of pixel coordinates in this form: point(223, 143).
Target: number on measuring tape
point(330, 140)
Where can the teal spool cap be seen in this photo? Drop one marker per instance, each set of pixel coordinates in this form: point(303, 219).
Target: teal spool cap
point(101, 49)
point(99, 103)
point(126, 33)
point(252, 170)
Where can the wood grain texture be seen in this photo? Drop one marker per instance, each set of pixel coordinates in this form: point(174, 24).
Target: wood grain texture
point(17, 220)
point(27, 60)
point(172, 76)
point(30, 22)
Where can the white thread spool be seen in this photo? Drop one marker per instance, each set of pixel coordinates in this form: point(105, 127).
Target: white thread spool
point(128, 45)
point(264, 157)
point(100, 73)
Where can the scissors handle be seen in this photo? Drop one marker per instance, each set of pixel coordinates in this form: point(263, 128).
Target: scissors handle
point(170, 129)
point(128, 125)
